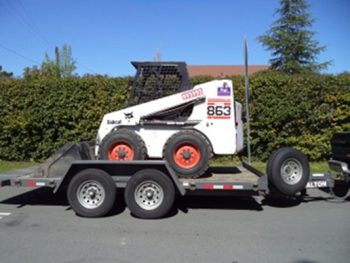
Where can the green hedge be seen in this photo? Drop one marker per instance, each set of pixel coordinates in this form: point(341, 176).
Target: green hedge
point(299, 111)
point(302, 111)
point(39, 116)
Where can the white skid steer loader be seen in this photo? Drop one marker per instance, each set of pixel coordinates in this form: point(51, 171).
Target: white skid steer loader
point(168, 119)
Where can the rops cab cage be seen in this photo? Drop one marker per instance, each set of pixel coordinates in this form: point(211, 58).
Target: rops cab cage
point(155, 80)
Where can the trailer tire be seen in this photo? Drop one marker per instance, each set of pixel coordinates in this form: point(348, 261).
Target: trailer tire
point(149, 194)
point(270, 161)
point(197, 148)
point(91, 193)
point(288, 171)
point(122, 145)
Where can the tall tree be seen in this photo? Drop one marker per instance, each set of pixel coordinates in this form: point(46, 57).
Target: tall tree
point(50, 67)
point(66, 62)
point(4, 74)
point(291, 41)
point(63, 65)
point(158, 55)
point(30, 73)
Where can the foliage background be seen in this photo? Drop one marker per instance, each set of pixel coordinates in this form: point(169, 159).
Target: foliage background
point(40, 115)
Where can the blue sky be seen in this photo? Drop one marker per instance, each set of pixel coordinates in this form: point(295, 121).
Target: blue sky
point(106, 35)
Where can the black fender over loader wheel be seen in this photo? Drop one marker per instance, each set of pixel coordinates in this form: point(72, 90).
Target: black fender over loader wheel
point(91, 193)
point(149, 194)
point(122, 145)
point(188, 153)
point(288, 171)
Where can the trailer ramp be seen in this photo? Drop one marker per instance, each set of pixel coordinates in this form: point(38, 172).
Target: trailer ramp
point(50, 172)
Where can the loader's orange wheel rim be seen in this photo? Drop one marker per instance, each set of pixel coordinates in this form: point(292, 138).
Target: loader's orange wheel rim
point(187, 155)
point(121, 152)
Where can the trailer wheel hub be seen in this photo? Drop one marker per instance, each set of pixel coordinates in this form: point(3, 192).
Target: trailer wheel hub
point(91, 194)
point(291, 171)
point(149, 195)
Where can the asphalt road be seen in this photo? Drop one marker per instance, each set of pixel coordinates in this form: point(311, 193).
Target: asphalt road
point(37, 226)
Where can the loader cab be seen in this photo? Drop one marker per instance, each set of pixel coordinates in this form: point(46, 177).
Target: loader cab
point(155, 80)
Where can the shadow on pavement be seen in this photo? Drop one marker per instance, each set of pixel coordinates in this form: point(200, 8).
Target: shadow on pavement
point(187, 203)
point(39, 196)
point(338, 195)
point(119, 205)
point(45, 197)
point(282, 202)
point(305, 261)
point(217, 202)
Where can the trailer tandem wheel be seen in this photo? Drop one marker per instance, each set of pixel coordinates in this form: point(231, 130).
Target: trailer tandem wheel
point(149, 194)
point(91, 193)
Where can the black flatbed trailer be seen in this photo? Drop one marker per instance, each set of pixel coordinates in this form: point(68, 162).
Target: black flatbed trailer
point(150, 185)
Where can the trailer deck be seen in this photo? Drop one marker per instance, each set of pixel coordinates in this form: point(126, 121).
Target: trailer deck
point(239, 178)
point(147, 183)
point(228, 178)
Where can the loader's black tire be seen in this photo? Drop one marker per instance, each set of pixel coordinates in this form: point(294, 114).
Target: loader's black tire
point(149, 194)
point(288, 171)
point(188, 153)
point(122, 145)
point(91, 193)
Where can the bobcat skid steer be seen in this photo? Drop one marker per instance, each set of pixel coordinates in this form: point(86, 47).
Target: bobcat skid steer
point(168, 119)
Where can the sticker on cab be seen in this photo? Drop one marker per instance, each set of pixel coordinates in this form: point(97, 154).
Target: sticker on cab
point(225, 90)
point(192, 94)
